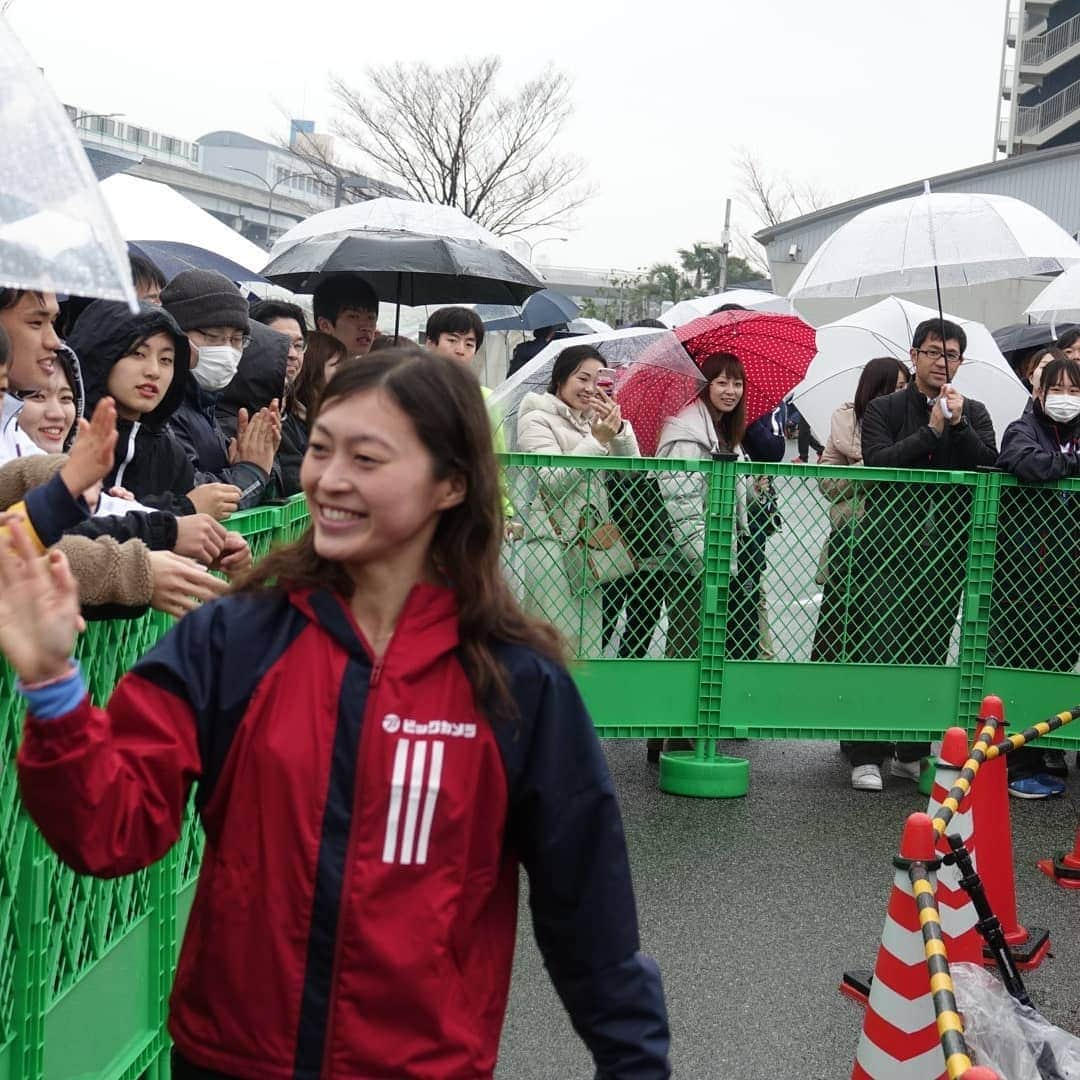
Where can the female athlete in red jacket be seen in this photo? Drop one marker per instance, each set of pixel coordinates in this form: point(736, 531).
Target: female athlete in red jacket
point(377, 736)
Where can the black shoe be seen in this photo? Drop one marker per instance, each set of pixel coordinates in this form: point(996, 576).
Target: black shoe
point(1054, 763)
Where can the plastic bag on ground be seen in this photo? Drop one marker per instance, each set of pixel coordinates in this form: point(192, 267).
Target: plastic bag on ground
point(1008, 1037)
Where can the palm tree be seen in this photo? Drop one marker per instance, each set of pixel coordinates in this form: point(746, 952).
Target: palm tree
point(669, 282)
point(697, 260)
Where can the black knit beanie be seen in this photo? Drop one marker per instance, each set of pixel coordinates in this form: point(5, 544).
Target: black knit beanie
point(198, 299)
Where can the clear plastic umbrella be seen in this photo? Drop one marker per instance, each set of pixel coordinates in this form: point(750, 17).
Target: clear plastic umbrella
point(654, 378)
point(886, 329)
point(956, 239)
point(56, 234)
point(1059, 301)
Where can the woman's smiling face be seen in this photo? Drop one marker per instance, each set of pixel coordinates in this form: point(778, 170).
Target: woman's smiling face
point(48, 411)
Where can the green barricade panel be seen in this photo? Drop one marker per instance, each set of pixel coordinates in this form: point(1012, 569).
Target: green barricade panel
point(14, 831)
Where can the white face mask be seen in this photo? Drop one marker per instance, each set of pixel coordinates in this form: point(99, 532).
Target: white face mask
point(216, 366)
point(1062, 407)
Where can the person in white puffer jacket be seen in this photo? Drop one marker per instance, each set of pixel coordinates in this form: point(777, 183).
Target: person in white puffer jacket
point(711, 425)
point(577, 419)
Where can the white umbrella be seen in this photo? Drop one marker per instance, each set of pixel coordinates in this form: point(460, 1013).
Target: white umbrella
point(1059, 301)
point(389, 215)
point(686, 311)
point(56, 234)
point(146, 210)
point(936, 238)
point(886, 329)
point(584, 325)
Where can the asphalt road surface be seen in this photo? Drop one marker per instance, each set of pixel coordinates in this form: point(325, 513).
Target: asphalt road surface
point(753, 907)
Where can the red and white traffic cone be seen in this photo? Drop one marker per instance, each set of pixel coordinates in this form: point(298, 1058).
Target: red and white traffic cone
point(899, 1034)
point(993, 829)
point(958, 914)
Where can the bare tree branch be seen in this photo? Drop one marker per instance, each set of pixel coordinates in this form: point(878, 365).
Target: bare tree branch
point(449, 136)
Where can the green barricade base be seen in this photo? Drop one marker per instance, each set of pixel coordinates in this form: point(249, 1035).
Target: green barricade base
point(683, 772)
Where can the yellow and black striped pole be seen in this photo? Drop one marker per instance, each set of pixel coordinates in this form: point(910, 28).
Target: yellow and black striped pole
point(983, 750)
point(949, 1024)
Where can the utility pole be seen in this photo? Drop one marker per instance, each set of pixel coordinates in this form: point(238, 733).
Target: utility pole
point(725, 246)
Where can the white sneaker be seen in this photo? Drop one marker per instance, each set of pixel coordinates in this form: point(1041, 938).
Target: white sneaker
point(866, 778)
point(906, 770)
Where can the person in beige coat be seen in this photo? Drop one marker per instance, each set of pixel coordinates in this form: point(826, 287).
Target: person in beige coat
point(882, 375)
point(563, 574)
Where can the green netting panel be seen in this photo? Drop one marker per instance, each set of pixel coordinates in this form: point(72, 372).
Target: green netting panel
point(853, 570)
point(610, 557)
point(260, 527)
point(190, 848)
point(294, 520)
point(13, 836)
point(1035, 599)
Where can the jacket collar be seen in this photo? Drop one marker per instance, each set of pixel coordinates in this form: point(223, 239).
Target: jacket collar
point(426, 631)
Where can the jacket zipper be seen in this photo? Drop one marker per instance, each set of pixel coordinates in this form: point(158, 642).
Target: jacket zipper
point(346, 885)
point(119, 481)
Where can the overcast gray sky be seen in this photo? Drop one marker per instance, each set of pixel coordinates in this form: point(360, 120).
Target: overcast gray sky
point(851, 95)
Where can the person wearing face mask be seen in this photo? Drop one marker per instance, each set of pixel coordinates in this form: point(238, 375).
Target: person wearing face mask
point(1036, 586)
point(213, 314)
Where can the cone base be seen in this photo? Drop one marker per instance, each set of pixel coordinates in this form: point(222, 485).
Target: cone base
point(1068, 877)
point(1029, 954)
point(721, 777)
point(855, 984)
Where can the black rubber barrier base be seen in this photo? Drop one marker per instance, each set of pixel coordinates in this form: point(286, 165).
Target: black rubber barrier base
point(855, 984)
point(1031, 953)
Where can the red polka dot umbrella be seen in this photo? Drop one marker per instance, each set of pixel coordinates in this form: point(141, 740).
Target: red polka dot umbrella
point(775, 350)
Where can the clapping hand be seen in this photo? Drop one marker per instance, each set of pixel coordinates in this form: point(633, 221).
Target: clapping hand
point(39, 608)
point(91, 457)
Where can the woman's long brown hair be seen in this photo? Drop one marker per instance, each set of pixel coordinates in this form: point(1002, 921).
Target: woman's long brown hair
point(730, 427)
point(444, 403)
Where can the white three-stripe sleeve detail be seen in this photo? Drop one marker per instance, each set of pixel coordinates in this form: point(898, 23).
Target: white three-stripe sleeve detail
point(393, 816)
point(431, 797)
point(412, 807)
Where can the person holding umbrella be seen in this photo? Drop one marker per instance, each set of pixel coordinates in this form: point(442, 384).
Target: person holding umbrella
point(908, 572)
point(346, 307)
point(572, 538)
point(524, 352)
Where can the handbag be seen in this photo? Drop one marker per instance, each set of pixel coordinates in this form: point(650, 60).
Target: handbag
point(606, 554)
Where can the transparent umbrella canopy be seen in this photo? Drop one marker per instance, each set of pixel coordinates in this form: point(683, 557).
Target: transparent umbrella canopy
point(56, 234)
point(844, 347)
point(653, 378)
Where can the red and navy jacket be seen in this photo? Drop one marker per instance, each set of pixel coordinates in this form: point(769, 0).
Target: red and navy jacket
point(356, 906)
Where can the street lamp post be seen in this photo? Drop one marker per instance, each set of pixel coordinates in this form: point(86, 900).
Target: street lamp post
point(546, 240)
point(271, 188)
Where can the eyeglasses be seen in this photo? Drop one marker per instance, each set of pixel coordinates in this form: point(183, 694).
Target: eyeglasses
point(935, 355)
point(214, 338)
point(298, 345)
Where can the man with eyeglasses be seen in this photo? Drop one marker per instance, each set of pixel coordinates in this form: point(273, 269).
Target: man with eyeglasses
point(287, 319)
point(907, 577)
point(213, 314)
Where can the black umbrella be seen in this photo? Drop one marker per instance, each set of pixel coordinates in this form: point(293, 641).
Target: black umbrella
point(407, 268)
point(1021, 336)
point(546, 308)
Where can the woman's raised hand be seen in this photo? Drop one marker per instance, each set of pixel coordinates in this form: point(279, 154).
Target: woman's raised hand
point(607, 418)
point(39, 608)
